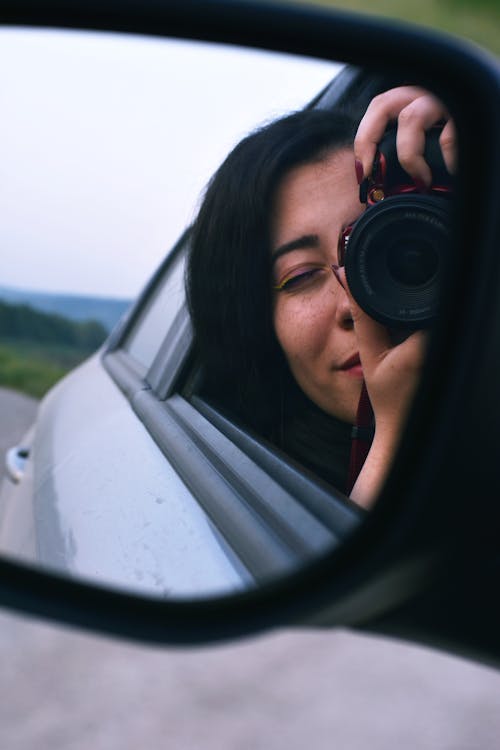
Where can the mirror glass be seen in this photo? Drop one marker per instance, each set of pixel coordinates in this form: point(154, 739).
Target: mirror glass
point(134, 458)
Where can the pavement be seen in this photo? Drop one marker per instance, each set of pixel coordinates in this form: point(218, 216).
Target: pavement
point(17, 413)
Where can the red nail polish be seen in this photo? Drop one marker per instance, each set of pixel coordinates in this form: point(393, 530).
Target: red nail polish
point(359, 171)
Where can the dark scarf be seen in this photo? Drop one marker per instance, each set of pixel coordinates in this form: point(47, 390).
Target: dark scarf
point(318, 441)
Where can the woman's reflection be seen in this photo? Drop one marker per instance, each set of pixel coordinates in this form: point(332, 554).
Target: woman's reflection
point(281, 340)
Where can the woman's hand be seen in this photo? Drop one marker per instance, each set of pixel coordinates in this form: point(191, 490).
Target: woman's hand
point(415, 111)
point(391, 373)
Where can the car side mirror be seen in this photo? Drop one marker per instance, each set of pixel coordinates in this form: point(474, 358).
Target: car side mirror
point(438, 506)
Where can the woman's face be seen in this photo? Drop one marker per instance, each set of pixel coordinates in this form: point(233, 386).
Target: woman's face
point(312, 320)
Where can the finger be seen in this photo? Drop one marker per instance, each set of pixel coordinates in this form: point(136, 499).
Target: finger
point(382, 109)
point(411, 351)
point(373, 338)
point(413, 122)
point(448, 141)
point(410, 146)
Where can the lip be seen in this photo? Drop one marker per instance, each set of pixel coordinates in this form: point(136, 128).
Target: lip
point(353, 361)
point(353, 366)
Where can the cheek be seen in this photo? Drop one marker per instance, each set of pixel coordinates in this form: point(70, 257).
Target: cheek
point(301, 329)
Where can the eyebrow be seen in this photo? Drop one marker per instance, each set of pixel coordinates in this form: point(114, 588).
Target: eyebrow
point(304, 242)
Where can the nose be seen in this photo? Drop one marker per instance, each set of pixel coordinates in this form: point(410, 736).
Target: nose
point(343, 317)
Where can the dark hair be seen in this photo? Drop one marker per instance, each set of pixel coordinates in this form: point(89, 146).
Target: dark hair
point(229, 271)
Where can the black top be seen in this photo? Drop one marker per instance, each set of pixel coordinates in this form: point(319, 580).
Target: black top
point(320, 442)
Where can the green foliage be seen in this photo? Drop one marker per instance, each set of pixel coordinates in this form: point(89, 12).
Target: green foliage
point(37, 349)
point(491, 5)
point(23, 322)
point(477, 20)
point(31, 375)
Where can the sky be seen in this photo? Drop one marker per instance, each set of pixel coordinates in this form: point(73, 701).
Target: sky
point(108, 140)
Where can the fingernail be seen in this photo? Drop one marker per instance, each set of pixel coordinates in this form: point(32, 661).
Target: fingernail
point(337, 275)
point(359, 171)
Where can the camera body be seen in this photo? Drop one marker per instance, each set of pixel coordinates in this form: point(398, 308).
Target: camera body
point(395, 253)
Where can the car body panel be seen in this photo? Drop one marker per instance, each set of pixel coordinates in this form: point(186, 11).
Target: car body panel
point(151, 534)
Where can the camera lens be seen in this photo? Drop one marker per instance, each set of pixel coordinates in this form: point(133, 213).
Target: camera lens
point(414, 263)
point(394, 259)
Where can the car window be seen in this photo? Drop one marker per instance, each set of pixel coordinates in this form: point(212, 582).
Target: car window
point(157, 316)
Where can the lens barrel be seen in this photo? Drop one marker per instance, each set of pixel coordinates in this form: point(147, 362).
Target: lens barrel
point(395, 257)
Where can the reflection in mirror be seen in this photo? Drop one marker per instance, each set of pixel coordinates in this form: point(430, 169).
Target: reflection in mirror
point(238, 427)
point(355, 245)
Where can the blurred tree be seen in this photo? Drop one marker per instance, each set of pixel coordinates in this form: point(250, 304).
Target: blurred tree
point(22, 322)
point(476, 20)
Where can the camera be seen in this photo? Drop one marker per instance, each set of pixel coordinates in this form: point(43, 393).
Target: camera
point(395, 253)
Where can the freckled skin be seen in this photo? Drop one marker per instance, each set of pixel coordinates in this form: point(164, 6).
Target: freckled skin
point(312, 320)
